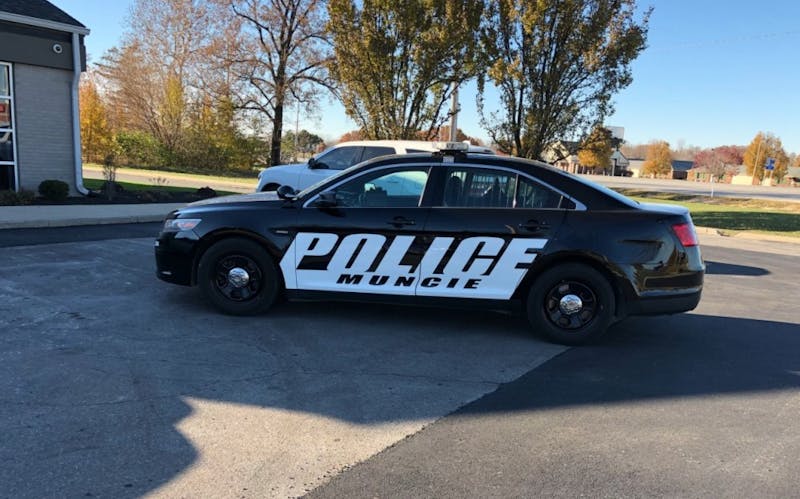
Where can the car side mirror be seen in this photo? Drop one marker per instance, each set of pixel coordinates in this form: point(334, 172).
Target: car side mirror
point(286, 192)
point(326, 199)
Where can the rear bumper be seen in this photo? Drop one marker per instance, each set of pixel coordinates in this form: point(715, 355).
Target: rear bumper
point(667, 303)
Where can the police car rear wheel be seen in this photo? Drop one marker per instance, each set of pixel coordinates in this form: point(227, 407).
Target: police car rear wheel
point(238, 277)
point(571, 304)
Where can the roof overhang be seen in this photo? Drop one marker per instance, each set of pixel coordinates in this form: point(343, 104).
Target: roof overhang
point(43, 23)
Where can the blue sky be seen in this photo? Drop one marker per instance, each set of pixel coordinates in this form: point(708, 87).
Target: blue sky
point(716, 72)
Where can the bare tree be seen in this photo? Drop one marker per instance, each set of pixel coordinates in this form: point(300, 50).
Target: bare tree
point(281, 58)
point(155, 76)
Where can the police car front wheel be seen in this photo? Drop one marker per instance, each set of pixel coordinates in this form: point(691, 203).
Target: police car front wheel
point(238, 277)
point(571, 304)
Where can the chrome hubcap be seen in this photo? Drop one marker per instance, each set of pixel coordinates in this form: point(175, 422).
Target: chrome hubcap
point(238, 277)
point(570, 304)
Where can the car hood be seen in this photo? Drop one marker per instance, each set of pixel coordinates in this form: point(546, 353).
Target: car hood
point(291, 167)
point(226, 203)
point(236, 198)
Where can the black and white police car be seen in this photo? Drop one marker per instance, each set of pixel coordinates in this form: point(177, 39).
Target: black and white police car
point(444, 228)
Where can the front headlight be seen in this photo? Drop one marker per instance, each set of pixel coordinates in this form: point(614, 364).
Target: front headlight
point(180, 224)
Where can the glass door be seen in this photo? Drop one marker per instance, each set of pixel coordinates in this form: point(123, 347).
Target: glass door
point(8, 156)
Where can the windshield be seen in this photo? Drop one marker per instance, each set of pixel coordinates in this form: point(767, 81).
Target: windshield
point(325, 180)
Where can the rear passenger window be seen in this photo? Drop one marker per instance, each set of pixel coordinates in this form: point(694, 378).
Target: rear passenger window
point(475, 187)
point(375, 152)
point(534, 195)
point(487, 188)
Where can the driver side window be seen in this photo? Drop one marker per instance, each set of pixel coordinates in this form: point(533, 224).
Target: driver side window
point(382, 189)
point(340, 158)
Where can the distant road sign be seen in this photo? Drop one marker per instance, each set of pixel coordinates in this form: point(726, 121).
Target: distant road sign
point(770, 164)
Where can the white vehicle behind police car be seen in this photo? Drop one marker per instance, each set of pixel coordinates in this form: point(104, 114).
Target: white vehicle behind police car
point(339, 157)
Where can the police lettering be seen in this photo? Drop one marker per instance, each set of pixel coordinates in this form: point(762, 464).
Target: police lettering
point(478, 267)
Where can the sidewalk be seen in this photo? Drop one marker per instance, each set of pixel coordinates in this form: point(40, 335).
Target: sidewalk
point(23, 217)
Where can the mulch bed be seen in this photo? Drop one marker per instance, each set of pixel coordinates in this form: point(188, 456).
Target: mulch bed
point(132, 197)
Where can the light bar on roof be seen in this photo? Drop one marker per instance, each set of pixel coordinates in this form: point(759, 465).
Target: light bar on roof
point(451, 146)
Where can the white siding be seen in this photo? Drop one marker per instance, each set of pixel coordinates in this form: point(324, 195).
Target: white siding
point(44, 125)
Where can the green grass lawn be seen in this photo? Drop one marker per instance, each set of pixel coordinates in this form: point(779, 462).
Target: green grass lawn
point(244, 180)
point(732, 214)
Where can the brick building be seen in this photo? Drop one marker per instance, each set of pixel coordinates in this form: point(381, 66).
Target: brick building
point(42, 56)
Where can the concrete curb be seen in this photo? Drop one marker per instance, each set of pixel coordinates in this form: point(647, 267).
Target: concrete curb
point(748, 235)
point(40, 224)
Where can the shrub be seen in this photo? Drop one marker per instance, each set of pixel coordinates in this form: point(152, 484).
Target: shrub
point(206, 192)
point(11, 198)
point(138, 149)
point(54, 190)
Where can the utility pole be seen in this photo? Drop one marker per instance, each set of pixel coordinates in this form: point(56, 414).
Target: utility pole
point(296, 130)
point(755, 163)
point(454, 116)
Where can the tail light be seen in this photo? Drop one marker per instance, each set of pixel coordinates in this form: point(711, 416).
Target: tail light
point(686, 234)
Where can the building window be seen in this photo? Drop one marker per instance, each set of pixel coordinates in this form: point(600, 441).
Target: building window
point(8, 156)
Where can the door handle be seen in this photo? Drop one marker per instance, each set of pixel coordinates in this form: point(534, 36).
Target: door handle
point(534, 226)
point(401, 222)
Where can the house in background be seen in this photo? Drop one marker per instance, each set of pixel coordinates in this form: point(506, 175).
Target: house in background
point(42, 56)
point(620, 164)
point(728, 174)
point(635, 166)
point(562, 154)
point(680, 169)
point(793, 176)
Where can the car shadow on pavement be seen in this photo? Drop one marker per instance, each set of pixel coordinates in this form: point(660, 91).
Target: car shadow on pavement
point(721, 268)
point(679, 356)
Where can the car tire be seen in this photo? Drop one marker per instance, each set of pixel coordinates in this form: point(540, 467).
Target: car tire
point(571, 304)
point(270, 187)
point(238, 277)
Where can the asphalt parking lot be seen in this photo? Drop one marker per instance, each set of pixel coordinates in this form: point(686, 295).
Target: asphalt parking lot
point(113, 384)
